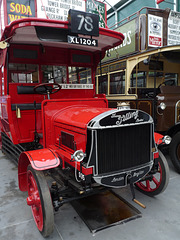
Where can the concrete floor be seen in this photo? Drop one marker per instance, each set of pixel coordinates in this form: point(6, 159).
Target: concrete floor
point(160, 220)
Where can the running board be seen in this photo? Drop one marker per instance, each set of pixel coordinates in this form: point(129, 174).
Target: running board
point(104, 210)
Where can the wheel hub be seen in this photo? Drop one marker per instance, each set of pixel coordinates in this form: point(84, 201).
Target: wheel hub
point(33, 199)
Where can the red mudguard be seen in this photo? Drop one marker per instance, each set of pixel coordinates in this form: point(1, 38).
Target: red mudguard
point(40, 159)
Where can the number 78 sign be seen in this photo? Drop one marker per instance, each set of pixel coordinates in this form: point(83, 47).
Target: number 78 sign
point(84, 23)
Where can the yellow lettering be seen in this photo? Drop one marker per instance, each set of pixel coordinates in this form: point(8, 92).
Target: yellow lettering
point(23, 9)
point(15, 17)
point(28, 11)
point(18, 8)
point(12, 17)
point(12, 7)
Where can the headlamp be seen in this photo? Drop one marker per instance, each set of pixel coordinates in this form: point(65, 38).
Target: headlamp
point(78, 156)
point(162, 106)
point(166, 139)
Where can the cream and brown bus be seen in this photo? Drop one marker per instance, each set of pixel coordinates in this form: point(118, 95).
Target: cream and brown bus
point(144, 72)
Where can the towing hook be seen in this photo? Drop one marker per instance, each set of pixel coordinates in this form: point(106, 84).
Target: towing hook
point(133, 194)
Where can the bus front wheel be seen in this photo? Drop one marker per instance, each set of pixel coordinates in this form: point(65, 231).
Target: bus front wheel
point(39, 199)
point(156, 181)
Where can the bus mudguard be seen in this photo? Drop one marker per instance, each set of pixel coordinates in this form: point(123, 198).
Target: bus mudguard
point(41, 159)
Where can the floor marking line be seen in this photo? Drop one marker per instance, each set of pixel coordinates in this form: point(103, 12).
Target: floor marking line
point(58, 232)
point(16, 224)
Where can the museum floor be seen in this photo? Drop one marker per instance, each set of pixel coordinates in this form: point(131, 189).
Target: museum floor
point(160, 220)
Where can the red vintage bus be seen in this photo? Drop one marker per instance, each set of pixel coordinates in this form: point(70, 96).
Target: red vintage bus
point(65, 139)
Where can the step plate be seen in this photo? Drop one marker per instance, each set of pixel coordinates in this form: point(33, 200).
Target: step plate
point(104, 210)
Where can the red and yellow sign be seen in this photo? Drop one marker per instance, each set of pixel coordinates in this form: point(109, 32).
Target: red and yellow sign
point(20, 9)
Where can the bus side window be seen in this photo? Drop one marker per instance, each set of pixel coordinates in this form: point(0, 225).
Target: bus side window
point(23, 73)
point(117, 83)
point(54, 74)
point(103, 84)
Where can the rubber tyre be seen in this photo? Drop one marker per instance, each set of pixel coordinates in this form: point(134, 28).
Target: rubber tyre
point(160, 179)
point(39, 199)
point(174, 151)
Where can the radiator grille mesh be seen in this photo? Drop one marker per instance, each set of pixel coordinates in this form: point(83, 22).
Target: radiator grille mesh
point(123, 147)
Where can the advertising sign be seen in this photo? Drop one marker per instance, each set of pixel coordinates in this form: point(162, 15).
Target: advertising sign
point(129, 44)
point(99, 8)
point(20, 9)
point(48, 9)
point(173, 37)
point(58, 9)
point(155, 31)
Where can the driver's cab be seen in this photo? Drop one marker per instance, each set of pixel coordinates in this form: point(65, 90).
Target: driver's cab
point(34, 75)
point(47, 62)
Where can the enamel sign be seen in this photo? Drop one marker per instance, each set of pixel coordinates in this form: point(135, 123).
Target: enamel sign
point(21, 9)
point(155, 31)
point(173, 37)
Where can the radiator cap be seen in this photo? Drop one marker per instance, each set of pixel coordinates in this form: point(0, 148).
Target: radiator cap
point(123, 105)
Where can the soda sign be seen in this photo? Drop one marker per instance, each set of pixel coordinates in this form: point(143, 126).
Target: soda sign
point(20, 9)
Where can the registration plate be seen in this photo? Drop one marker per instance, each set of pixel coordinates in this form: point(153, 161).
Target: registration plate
point(82, 41)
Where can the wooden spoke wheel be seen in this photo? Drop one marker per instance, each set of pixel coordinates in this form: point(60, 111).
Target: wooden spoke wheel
point(39, 199)
point(155, 183)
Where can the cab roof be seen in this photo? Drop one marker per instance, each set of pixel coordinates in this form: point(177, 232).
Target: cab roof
point(54, 33)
